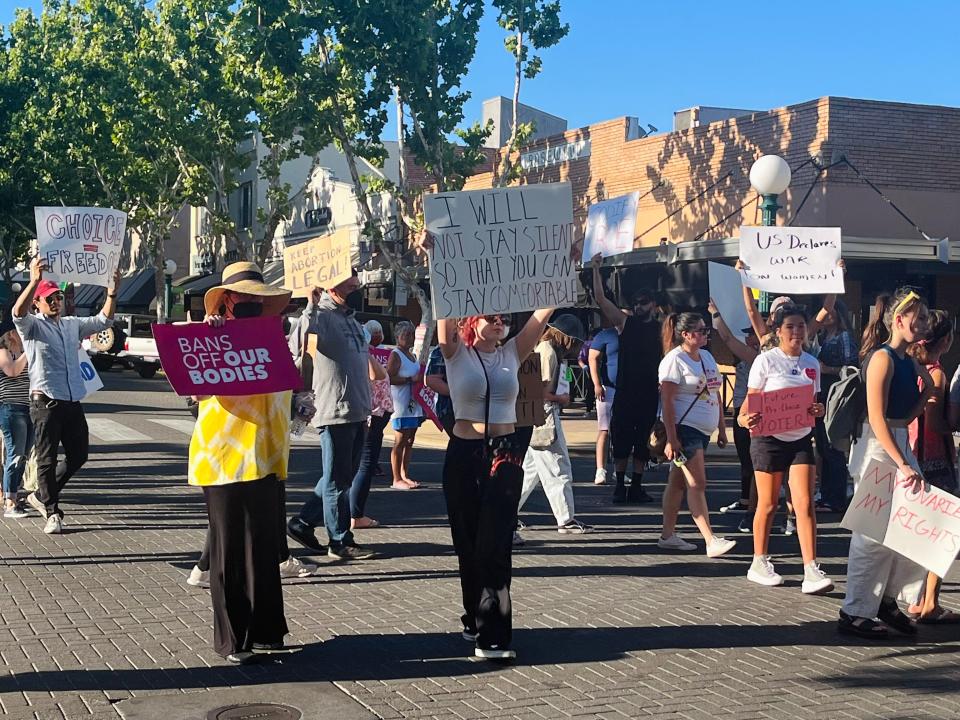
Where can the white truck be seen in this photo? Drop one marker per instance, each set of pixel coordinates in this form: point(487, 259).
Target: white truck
point(128, 343)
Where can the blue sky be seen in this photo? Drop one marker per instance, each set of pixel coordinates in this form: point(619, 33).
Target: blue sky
point(648, 59)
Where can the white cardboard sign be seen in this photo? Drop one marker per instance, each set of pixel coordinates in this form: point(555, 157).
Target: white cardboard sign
point(501, 250)
point(81, 244)
point(611, 225)
point(791, 260)
point(922, 525)
point(91, 378)
point(726, 289)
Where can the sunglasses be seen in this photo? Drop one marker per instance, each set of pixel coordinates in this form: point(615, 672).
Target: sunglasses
point(705, 331)
point(53, 296)
point(643, 301)
point(491, 319)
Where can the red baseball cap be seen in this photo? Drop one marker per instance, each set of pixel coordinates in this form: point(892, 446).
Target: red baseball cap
point(46, 287)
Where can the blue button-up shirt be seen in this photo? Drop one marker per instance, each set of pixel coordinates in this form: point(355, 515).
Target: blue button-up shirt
point(53, 352)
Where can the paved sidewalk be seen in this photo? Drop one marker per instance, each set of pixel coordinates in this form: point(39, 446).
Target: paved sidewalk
point(97, 624)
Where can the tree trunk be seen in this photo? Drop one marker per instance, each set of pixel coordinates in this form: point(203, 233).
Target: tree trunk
point(501, 177)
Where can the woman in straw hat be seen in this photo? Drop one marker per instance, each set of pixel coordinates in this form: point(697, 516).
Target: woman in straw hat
point(238, 455)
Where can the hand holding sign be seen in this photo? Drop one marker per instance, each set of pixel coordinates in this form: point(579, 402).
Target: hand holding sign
point(323, 262)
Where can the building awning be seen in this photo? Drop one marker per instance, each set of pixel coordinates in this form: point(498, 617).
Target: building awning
point(198, 284)
point(136, 293)
point(854, 248)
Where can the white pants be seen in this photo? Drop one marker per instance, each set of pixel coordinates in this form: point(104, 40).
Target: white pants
point(873, 570)
point(550, 466)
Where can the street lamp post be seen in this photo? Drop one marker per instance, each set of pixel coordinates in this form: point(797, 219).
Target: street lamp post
point(169, 269)
point(769, 176)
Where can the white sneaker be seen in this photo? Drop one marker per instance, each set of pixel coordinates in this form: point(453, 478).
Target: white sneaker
point(732, 507)
point(815, 580)
point(54, 525)
point(34, 502)
point(601, 477)
point(761, 572)
point(495, 653)
point(199, 578)
point(675, 542)
point(293, 568)
point(719, 546)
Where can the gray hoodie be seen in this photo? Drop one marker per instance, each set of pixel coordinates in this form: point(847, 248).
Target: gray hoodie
point(340, 372)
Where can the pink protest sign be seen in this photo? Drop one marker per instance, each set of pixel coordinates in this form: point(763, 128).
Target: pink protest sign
point(427, 399)
point(782, 410)
point(244, 357)
point(381, 355)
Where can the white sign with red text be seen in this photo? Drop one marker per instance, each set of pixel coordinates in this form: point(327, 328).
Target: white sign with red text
point(922, 524)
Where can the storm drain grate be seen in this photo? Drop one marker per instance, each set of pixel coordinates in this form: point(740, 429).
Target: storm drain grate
point(255, 711)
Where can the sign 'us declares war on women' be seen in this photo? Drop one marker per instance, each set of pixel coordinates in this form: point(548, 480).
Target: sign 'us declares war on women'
point(81, 244)
point(244, 357)
point(501, 250)
point(791, 260)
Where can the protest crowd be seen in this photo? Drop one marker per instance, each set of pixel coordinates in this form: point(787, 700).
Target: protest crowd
point(813, 408)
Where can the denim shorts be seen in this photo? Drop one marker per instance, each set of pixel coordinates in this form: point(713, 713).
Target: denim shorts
point(407, 423)
point(692, 439)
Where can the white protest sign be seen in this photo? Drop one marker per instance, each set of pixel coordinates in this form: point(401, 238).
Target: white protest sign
point(91, 379)
point(611, 225)
point(726, 289)
point(920, 524)
point(791, 260)
point(501, 250)
point(81, 244)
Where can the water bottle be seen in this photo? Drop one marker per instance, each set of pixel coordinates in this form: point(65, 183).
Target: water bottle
point(305, 409)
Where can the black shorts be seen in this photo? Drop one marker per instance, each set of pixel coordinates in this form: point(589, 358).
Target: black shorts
point(771, 455)
point(633, 417)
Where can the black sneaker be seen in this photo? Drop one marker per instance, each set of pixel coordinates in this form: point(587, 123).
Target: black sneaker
point(619, 495)
point(638, 496)
point(469, 634)
point(746, 523)
point(304, 534)
point(350, 552)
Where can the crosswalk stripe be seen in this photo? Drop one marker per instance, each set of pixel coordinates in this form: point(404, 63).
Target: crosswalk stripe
point(179, 424)
point(112, 431)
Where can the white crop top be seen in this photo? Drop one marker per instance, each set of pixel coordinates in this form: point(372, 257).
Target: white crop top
point(468, 388)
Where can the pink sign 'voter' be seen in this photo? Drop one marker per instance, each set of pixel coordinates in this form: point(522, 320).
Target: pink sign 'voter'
point(782, 410)
point(244, 357)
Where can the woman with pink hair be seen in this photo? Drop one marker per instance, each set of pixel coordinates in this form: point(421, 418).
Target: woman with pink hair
point(482, 474)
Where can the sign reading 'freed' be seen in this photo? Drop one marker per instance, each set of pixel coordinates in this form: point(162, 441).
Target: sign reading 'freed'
point(322, 262)
point(244, 357)
point(81, 244)
point(501, 250)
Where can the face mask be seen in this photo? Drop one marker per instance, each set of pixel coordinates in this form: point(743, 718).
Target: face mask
point(355, 299)
point(247, 309)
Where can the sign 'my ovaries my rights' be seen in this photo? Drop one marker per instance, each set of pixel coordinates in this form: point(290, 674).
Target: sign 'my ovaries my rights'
point(501, 250)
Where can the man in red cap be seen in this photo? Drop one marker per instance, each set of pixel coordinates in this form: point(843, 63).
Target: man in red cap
point(52, 342)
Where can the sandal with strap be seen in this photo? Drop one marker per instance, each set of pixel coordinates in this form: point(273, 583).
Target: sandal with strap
point(861, 627)
point(939, 616)
point(891, 614)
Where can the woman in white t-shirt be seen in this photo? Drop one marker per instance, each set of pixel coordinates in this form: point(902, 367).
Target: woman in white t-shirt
point(788, 453)
point(691, 410)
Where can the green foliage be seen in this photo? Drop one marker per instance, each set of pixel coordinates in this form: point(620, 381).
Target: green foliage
point(531, 24)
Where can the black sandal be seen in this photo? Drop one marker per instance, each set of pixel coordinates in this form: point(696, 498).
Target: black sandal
point(861, 627)
point(891, 614)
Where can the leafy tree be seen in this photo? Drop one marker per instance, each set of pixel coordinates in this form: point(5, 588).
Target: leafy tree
point(532, 25)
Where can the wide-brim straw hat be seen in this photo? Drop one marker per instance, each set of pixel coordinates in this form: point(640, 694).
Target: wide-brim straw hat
point(247, 278)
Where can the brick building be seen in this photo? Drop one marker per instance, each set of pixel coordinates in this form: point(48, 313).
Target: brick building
point(695, 188)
